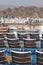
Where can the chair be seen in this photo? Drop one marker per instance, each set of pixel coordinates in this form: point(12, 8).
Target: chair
point(34, 36)
point(30, 43)
point(42, 35)
point(3, 29)
point(21, 57)
point(41, 43)
point(39, 57)
point(13, 43)
point(2, 42)
point(22, 35)
point(1, 35)
point(11, 35)
point(20, 30)
point(3, 60)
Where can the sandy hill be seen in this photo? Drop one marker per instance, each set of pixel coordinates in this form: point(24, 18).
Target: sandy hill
point(31, 11)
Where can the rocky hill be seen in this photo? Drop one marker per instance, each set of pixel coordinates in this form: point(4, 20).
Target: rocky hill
point(31, 11)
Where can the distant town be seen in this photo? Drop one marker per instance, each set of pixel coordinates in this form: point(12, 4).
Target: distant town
point(21, 20)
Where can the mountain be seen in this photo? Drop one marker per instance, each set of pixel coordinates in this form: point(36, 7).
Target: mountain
point(31, 11)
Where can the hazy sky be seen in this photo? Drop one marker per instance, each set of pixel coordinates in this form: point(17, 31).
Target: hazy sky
point(22, 2)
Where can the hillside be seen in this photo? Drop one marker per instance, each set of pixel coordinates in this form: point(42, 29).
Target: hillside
point(31, 11)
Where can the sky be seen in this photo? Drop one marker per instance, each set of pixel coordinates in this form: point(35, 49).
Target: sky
point(22, 2)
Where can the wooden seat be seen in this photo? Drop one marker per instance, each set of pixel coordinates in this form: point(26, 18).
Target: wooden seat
point(2, 57)
point(30, 43)
point(11, 35)
point(20, 30)
point(13, 43)
point(41, 43)
point(22, 35)
point(3, 29)
point(34, 36)
point(39, 57)
point(2, 42)
point(21, 57)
